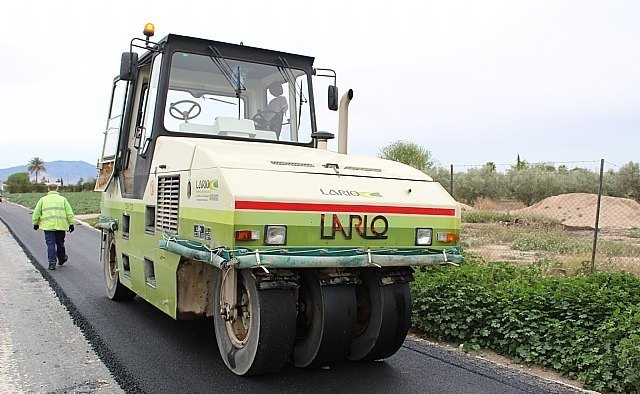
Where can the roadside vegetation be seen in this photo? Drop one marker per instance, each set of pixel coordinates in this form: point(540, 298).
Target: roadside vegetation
point(81, 202)
point(587, 327)
point(544, 306)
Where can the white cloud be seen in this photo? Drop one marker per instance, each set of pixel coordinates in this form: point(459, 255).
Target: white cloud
point(471, 81)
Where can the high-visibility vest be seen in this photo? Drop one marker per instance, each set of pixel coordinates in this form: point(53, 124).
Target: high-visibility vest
point(53, 212)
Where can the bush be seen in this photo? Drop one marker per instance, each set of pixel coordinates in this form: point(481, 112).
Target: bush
point(18, 183)
point(585, 327)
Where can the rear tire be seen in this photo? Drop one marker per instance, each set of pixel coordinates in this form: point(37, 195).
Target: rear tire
point(260, 339)
point(326, 321)
point(384, 317)
point(115, 290)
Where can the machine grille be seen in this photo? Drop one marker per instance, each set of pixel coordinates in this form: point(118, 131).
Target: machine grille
point(362, 169)
point(168, 200)
point(291, 163)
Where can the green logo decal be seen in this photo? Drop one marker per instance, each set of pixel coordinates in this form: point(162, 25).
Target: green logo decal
point(206, 184)
point(370, 194)
point(349, 193)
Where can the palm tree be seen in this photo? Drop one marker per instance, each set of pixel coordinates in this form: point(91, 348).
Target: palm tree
point(36, 165)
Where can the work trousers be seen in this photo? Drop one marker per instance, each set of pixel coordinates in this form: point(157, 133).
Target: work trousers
point(55, 245)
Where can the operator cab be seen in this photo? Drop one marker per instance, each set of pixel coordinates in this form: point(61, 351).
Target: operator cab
point(195, 88)
point(216, 96)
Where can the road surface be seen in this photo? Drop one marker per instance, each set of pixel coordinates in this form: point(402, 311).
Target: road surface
point(147, 351)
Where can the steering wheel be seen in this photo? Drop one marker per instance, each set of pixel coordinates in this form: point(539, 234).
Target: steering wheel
point(184, 115)
point(261, 122)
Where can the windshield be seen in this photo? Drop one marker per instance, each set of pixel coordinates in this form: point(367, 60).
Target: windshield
point(214, 96)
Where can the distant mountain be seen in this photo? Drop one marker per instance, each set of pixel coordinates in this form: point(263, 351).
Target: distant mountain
point(69, 171)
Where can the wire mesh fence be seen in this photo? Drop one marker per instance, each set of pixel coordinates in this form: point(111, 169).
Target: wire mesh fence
point(567, 216)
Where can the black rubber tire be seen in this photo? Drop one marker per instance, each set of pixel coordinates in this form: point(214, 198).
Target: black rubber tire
point(115, 290)
point(326, 321)
point(384, 317)
point(271, 332)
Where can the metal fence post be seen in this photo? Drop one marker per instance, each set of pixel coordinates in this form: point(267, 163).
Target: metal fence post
point(451, 181)
point(595, 231)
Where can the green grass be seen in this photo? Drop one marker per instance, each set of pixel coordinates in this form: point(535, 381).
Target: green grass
point(482, 216)
point(490, 216)
point(568, 250)
point(489, 234)
point(81, 202)
point(554, 241)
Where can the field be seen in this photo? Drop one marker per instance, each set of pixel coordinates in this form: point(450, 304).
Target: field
point(81, 202)
point(558, 232)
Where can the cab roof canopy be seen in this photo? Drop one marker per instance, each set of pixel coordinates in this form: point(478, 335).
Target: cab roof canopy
point(177, 43)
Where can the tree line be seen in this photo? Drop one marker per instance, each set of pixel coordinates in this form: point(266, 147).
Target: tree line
point(525, 182)
point(21, 182)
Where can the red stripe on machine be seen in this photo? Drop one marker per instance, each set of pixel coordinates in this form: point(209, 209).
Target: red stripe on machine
point(295, 206)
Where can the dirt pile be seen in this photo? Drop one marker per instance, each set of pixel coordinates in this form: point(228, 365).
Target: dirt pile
point(579, 210)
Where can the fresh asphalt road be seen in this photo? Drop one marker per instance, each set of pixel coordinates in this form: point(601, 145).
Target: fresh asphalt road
point(147, 351)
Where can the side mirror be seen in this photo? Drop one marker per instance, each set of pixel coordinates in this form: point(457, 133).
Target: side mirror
point(128, 66)
point(333, 97)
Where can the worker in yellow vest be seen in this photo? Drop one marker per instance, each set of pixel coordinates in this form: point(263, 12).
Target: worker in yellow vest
point(54, 215)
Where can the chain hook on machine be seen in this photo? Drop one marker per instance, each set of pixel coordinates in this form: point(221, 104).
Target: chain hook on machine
point(371, 259)
point(259, 263)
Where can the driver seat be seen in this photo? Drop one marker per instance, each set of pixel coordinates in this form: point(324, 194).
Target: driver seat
point(273, 115)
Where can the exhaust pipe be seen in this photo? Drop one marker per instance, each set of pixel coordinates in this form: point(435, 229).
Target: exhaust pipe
point(343, 121)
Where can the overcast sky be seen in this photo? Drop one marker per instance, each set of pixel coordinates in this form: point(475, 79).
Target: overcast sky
point(472, 81)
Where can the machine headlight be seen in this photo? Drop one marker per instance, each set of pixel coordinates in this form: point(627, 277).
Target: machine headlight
point(424, 236)
point(275, 235)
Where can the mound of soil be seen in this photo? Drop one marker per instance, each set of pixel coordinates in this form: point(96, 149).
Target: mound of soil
point(579, 210)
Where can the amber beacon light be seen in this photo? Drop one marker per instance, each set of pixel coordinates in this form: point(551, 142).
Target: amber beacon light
point(149, 30)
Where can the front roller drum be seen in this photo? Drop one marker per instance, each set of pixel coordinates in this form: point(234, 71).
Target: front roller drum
point(326, 321)
point(258, 339)
point(384, 317)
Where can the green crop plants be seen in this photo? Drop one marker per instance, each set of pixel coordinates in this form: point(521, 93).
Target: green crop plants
point(81, 202)
point(29, 200)
point(586, 327)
